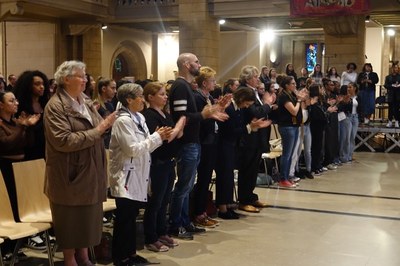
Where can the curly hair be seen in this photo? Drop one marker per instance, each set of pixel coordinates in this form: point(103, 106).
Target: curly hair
point(23, 91)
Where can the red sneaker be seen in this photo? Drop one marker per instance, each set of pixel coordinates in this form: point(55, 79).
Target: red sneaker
point(286, 183)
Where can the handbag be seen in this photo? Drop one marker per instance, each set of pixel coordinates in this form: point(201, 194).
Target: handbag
point(275, 145)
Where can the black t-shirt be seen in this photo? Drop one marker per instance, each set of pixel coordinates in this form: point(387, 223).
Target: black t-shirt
point(284, 117)
point(153, 120)
point(182, 102)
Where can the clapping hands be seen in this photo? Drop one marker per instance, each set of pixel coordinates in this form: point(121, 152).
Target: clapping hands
point(165, 132)
point(27, 120)
point(107, 122)
point(259, 123)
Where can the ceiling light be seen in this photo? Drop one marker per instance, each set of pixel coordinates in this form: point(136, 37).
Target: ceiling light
point(391, 32)
point(222, 21)
point(104, 26)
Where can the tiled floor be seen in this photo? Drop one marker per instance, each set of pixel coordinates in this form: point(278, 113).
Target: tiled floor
point(350, 216)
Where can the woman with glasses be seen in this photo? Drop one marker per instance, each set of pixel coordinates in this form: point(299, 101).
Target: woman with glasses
point(12, 142)
point(130, 147)
point(75, 165)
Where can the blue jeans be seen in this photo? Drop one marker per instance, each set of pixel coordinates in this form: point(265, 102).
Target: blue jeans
point(187, 161)
point(289, 137)
point(306, 141)
point(344, 139)
point(353, 132)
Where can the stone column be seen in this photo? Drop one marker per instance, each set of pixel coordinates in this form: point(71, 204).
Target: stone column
point(198, 32)
point(92, 51)
point(344, 41)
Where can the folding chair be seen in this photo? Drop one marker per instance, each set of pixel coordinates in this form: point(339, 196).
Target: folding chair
point(18, 231)
point(275, 152)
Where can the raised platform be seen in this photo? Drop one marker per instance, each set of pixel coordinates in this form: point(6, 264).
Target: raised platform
point(390, 141)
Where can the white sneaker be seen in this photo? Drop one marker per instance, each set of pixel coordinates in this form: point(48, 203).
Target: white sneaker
point(390, 124)
point(396, 124)
point(331, 167)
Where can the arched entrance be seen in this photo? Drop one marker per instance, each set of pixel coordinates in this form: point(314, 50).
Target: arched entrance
point(128, 61)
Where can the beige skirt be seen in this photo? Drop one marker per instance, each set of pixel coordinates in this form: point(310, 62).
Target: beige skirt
point(77, 226)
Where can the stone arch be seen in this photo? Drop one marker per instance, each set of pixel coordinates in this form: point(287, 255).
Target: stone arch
point(134, 62)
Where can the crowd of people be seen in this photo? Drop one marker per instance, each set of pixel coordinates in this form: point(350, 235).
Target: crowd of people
point(166, 141)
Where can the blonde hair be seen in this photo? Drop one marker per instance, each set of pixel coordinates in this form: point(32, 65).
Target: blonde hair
point(205, 73)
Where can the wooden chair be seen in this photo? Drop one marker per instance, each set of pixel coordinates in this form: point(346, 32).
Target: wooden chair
point(1, 256)
point(18, 231)
point(33, 204)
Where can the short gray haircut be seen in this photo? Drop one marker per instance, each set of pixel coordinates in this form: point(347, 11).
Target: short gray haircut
point(184, 58)
point(67, 68)
point(128, 90)
point(247, 73)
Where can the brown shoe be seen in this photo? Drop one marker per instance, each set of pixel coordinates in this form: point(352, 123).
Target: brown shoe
point(248, 208)
point(259, 204)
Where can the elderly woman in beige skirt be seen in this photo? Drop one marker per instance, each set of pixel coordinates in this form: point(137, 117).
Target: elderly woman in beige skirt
point(75, 165)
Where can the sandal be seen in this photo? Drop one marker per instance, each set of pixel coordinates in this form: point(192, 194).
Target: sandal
point(157, 247)
point(169, 241)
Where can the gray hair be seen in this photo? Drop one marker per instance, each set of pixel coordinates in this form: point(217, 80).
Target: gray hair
point(247, 73)
point(67, 68)
point(128, 90)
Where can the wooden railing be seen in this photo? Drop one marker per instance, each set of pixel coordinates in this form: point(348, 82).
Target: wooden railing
point(146, 10)
point(146, 2)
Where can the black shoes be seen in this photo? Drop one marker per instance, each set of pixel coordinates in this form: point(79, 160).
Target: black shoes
point(308, 175)
point(191, 228)
point(133, 261)
point(229, 215)
point(181, 233)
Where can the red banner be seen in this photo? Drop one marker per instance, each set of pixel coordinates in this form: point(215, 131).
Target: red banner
point(329, 7)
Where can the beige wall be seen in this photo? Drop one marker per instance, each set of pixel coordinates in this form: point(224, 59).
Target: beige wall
point(112, 39)
point(168, 52)
point(373, 51)
point(29, 46)
point(237, 49)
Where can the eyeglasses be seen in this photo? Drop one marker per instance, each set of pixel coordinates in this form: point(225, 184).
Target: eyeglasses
point(13, 101)
point(83, 77)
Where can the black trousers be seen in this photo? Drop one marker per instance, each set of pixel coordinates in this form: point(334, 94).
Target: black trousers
point(124, 234)
point(204, 174)
point(155, 216)
point(224, 169)
point(394, 112)
point(317, 134)
point(331, 142)
point(249, 162)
